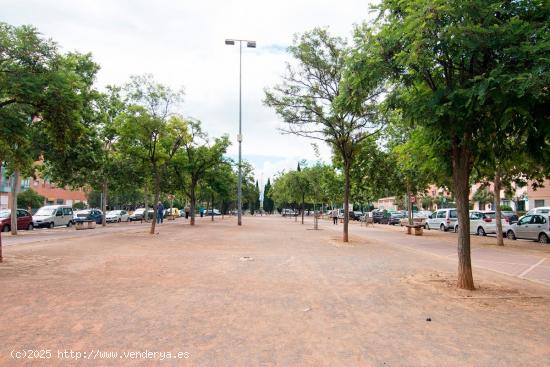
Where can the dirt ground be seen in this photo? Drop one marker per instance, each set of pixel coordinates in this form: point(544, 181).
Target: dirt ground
point(273, 292)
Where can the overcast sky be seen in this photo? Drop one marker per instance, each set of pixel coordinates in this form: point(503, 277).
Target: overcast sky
point(182, 44)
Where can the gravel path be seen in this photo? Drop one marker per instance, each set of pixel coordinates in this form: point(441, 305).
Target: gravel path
point(270, 293)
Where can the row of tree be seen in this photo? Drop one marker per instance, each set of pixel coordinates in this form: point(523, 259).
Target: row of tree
point(128, 139)
point(464, 81)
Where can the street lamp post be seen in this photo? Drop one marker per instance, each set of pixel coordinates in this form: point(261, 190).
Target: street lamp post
point(250, 44)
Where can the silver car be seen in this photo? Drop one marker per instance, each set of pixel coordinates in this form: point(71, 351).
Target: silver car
point(531, 227)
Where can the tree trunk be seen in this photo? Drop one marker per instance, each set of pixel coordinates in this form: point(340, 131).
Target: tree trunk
point(104, 204)
point(500, 239)
point(303, 202)
point(156, 202)
point(212, 208)
point(192, 204)
point(346, 199)
point(145, 204)
point(461, 185)
point(14, 190)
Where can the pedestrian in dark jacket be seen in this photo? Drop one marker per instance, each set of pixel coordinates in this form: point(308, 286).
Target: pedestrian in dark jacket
point(160, 213)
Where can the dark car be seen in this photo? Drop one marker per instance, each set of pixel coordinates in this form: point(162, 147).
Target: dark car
point(24, 220)
point(89, 214)
point(356, 215)
point(139, 214)
point(379, 216)
point(395, 218)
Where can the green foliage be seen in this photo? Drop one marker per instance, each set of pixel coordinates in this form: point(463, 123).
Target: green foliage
point(506, 208)
point(269, 204)
point(79, 206)
point(484, 196)
point(30, 199)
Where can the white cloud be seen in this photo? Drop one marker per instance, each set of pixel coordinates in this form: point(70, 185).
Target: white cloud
point(182, 44)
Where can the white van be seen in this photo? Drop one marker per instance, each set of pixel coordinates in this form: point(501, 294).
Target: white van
point(53, 216)
point(443, 219)
point(544, 210)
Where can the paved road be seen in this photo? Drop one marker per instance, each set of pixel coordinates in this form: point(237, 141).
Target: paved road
point(58, 233)
point(530, 265)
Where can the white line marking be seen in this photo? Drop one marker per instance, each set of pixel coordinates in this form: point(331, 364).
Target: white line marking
point(531, 268)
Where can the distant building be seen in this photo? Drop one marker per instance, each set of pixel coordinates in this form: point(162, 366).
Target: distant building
point(51, 193)
point(539, 197)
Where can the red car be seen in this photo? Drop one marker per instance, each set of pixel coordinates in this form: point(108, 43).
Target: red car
point(24, 220)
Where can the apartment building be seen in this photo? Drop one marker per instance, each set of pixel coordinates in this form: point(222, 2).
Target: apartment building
point(51, 193)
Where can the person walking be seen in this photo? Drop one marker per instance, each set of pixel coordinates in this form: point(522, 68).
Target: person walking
point(160, 213)
point(334, 216)
point(186, 212)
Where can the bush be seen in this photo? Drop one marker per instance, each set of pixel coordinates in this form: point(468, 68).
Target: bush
point(79, 206)
point(30, 198)
point(506, 208)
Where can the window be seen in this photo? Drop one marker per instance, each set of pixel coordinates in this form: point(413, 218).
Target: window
point(452, 214)
point(441, 214)
point(59, 212)
point(476, 216)
point(59, 201)
point(537, 219)
point(539, 203)
point(67, 211)
point(525, 220)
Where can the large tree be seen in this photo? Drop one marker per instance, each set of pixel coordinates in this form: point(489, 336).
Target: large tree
point(42, 96)
point(194, 161)
point(151, 128)
point(313, 100)
point(460, 67)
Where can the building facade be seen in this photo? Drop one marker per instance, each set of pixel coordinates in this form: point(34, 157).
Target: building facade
point(52, 194)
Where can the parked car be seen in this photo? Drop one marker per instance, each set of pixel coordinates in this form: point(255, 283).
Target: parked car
point(289, 213)
point(138, 214)
point(210, 212)
point(24, 220)
point(88, 214)
point(356, 215)
point(395, 218)
point(488, 224)
point(380, 216)
point(116, 216)
point(443, 219)
point(531, 227)
point(172, 211)
point(540, 210)
point(53, 216)
point(419, 218)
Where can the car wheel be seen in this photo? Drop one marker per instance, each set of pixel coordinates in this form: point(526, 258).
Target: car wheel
point(30, 227)
point(510, 235)
point(442, 227)
point(51, 225)
point(543, 238)
point(70, 224)
point(6, 228)
point(481, 232)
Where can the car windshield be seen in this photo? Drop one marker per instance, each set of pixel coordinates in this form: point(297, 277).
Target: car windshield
point(491, 215)
point(4, 214)
point(46, 211)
